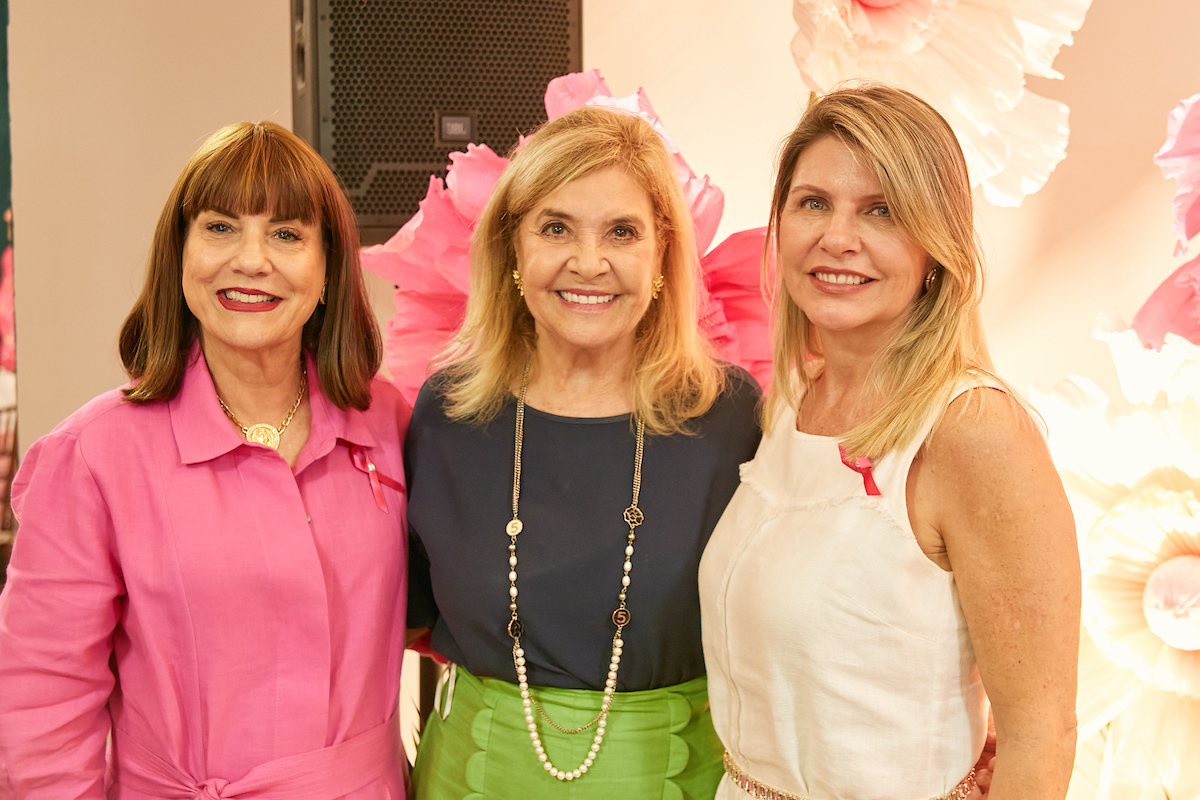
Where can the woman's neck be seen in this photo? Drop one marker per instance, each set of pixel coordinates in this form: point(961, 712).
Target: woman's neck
point(580, 385)
point(840, 397)
point(257, 385)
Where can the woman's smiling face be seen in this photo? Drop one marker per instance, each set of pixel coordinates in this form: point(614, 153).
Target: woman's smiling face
point(588, 254)
point(250, 280)
point(846, 262)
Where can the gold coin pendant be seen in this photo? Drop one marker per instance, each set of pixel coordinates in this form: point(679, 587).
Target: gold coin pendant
point(514, 527)
point(263, 434)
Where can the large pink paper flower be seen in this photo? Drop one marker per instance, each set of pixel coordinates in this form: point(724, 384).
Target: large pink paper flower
point(428, 259)
point(1174, 307)
point(1180, 159)
point(967, 58)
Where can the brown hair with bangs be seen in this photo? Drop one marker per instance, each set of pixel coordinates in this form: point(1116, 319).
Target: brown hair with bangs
point(254, 168)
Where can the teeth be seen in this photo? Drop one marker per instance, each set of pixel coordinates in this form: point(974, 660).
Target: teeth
point(242, 297)
point(827, 277)
point(586, 299)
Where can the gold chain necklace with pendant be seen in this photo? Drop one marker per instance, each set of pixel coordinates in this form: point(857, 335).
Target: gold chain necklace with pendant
point(633, 517)
point(261, 432)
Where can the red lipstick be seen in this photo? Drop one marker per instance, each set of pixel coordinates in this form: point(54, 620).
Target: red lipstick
point(252, 305)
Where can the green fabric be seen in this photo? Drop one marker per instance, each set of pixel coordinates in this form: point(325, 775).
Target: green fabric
point(659, 744)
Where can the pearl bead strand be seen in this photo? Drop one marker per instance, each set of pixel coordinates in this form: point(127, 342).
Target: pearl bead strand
point(633, 517)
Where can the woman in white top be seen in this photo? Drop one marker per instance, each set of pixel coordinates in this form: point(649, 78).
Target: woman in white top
point(900, 551)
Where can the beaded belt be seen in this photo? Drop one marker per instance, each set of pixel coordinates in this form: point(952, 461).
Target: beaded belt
point(763, 792)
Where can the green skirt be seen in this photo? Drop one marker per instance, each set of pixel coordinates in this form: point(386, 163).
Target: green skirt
point(659, 743)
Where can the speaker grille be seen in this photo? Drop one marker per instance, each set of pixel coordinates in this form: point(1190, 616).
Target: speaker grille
point(393, 66)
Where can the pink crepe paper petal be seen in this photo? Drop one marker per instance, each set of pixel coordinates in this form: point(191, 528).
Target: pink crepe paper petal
point(1174, 307)
point(734, 313)
point(707, 204)
point(472, 177)
point(572, 91)
point(422, 327)
point(1179, 158)
point(428, 260)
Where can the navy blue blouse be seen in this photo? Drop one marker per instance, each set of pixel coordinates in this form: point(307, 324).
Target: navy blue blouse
point(576, 481)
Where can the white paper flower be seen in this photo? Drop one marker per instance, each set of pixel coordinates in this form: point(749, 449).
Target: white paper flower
point(967, 58)
point(1132, 471)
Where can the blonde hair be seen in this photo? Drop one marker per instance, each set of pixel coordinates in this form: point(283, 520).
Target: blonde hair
point(921, 168)
point(254, 168)
point(674, 377)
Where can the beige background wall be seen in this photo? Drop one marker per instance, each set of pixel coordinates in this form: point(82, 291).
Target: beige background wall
point(109, 99)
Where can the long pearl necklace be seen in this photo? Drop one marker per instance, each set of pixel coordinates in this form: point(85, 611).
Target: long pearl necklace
point(633, 517)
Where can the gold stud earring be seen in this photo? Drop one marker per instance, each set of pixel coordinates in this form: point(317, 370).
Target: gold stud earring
point(520, 285)
point(930, 277)
point(324, 286)
point(657, 286)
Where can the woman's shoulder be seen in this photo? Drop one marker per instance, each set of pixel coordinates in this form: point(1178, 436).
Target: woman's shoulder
point(388, 408)
point(984, 415)
point(733, 415)
point(739, 382)
point(431, 399)
point(99, 434)
point(740, 394)
point(105, 414)
point(387, 397)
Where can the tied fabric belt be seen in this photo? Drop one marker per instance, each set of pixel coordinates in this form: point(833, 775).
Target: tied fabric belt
point(762, 791)
point(317, 775)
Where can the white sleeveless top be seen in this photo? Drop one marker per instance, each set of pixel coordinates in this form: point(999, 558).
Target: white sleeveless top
point(839, 663)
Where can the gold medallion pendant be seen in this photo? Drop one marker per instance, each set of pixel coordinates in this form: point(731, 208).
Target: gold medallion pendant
point(262, 433)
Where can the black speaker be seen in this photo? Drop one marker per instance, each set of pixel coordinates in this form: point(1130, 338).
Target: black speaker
point(384, 90)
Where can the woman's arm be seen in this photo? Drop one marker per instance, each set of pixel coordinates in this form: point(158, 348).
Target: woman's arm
point(987, 485)
point(57, 616)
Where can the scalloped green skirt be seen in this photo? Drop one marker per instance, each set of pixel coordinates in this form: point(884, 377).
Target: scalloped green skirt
point(659, 744)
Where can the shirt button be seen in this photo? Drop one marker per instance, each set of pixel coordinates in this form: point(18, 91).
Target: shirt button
point(309, 518)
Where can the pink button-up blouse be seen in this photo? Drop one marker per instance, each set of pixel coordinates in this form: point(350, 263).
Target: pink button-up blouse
point(236, 624)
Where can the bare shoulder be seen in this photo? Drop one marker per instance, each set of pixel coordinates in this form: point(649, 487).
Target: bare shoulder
point(984, 425)
point(985, 467)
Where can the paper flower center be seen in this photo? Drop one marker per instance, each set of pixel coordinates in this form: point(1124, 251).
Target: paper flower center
point(1171, 602)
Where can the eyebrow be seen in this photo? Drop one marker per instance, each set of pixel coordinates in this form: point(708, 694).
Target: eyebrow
point(227, 213)
point(801, 188)
point(623, 219)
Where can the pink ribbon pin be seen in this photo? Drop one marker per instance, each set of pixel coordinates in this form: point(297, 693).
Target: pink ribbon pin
point(861, 465)
point(362, 462)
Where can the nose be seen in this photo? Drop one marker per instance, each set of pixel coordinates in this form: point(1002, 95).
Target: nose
point(841, 234)
point(251, 257)
point(590, 258)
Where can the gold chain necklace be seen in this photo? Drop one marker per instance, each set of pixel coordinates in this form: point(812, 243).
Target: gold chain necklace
point(261, 432)
point(633, 517)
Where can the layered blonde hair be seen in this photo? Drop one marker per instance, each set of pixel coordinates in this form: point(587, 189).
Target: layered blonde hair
point(921, 168)
point(254, 168)
point(674, 377)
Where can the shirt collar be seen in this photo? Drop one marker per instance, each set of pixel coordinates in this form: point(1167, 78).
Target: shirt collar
point(202, 431)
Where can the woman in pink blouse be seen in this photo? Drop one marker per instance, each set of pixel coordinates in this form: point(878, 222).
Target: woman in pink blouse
point(210, 564)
